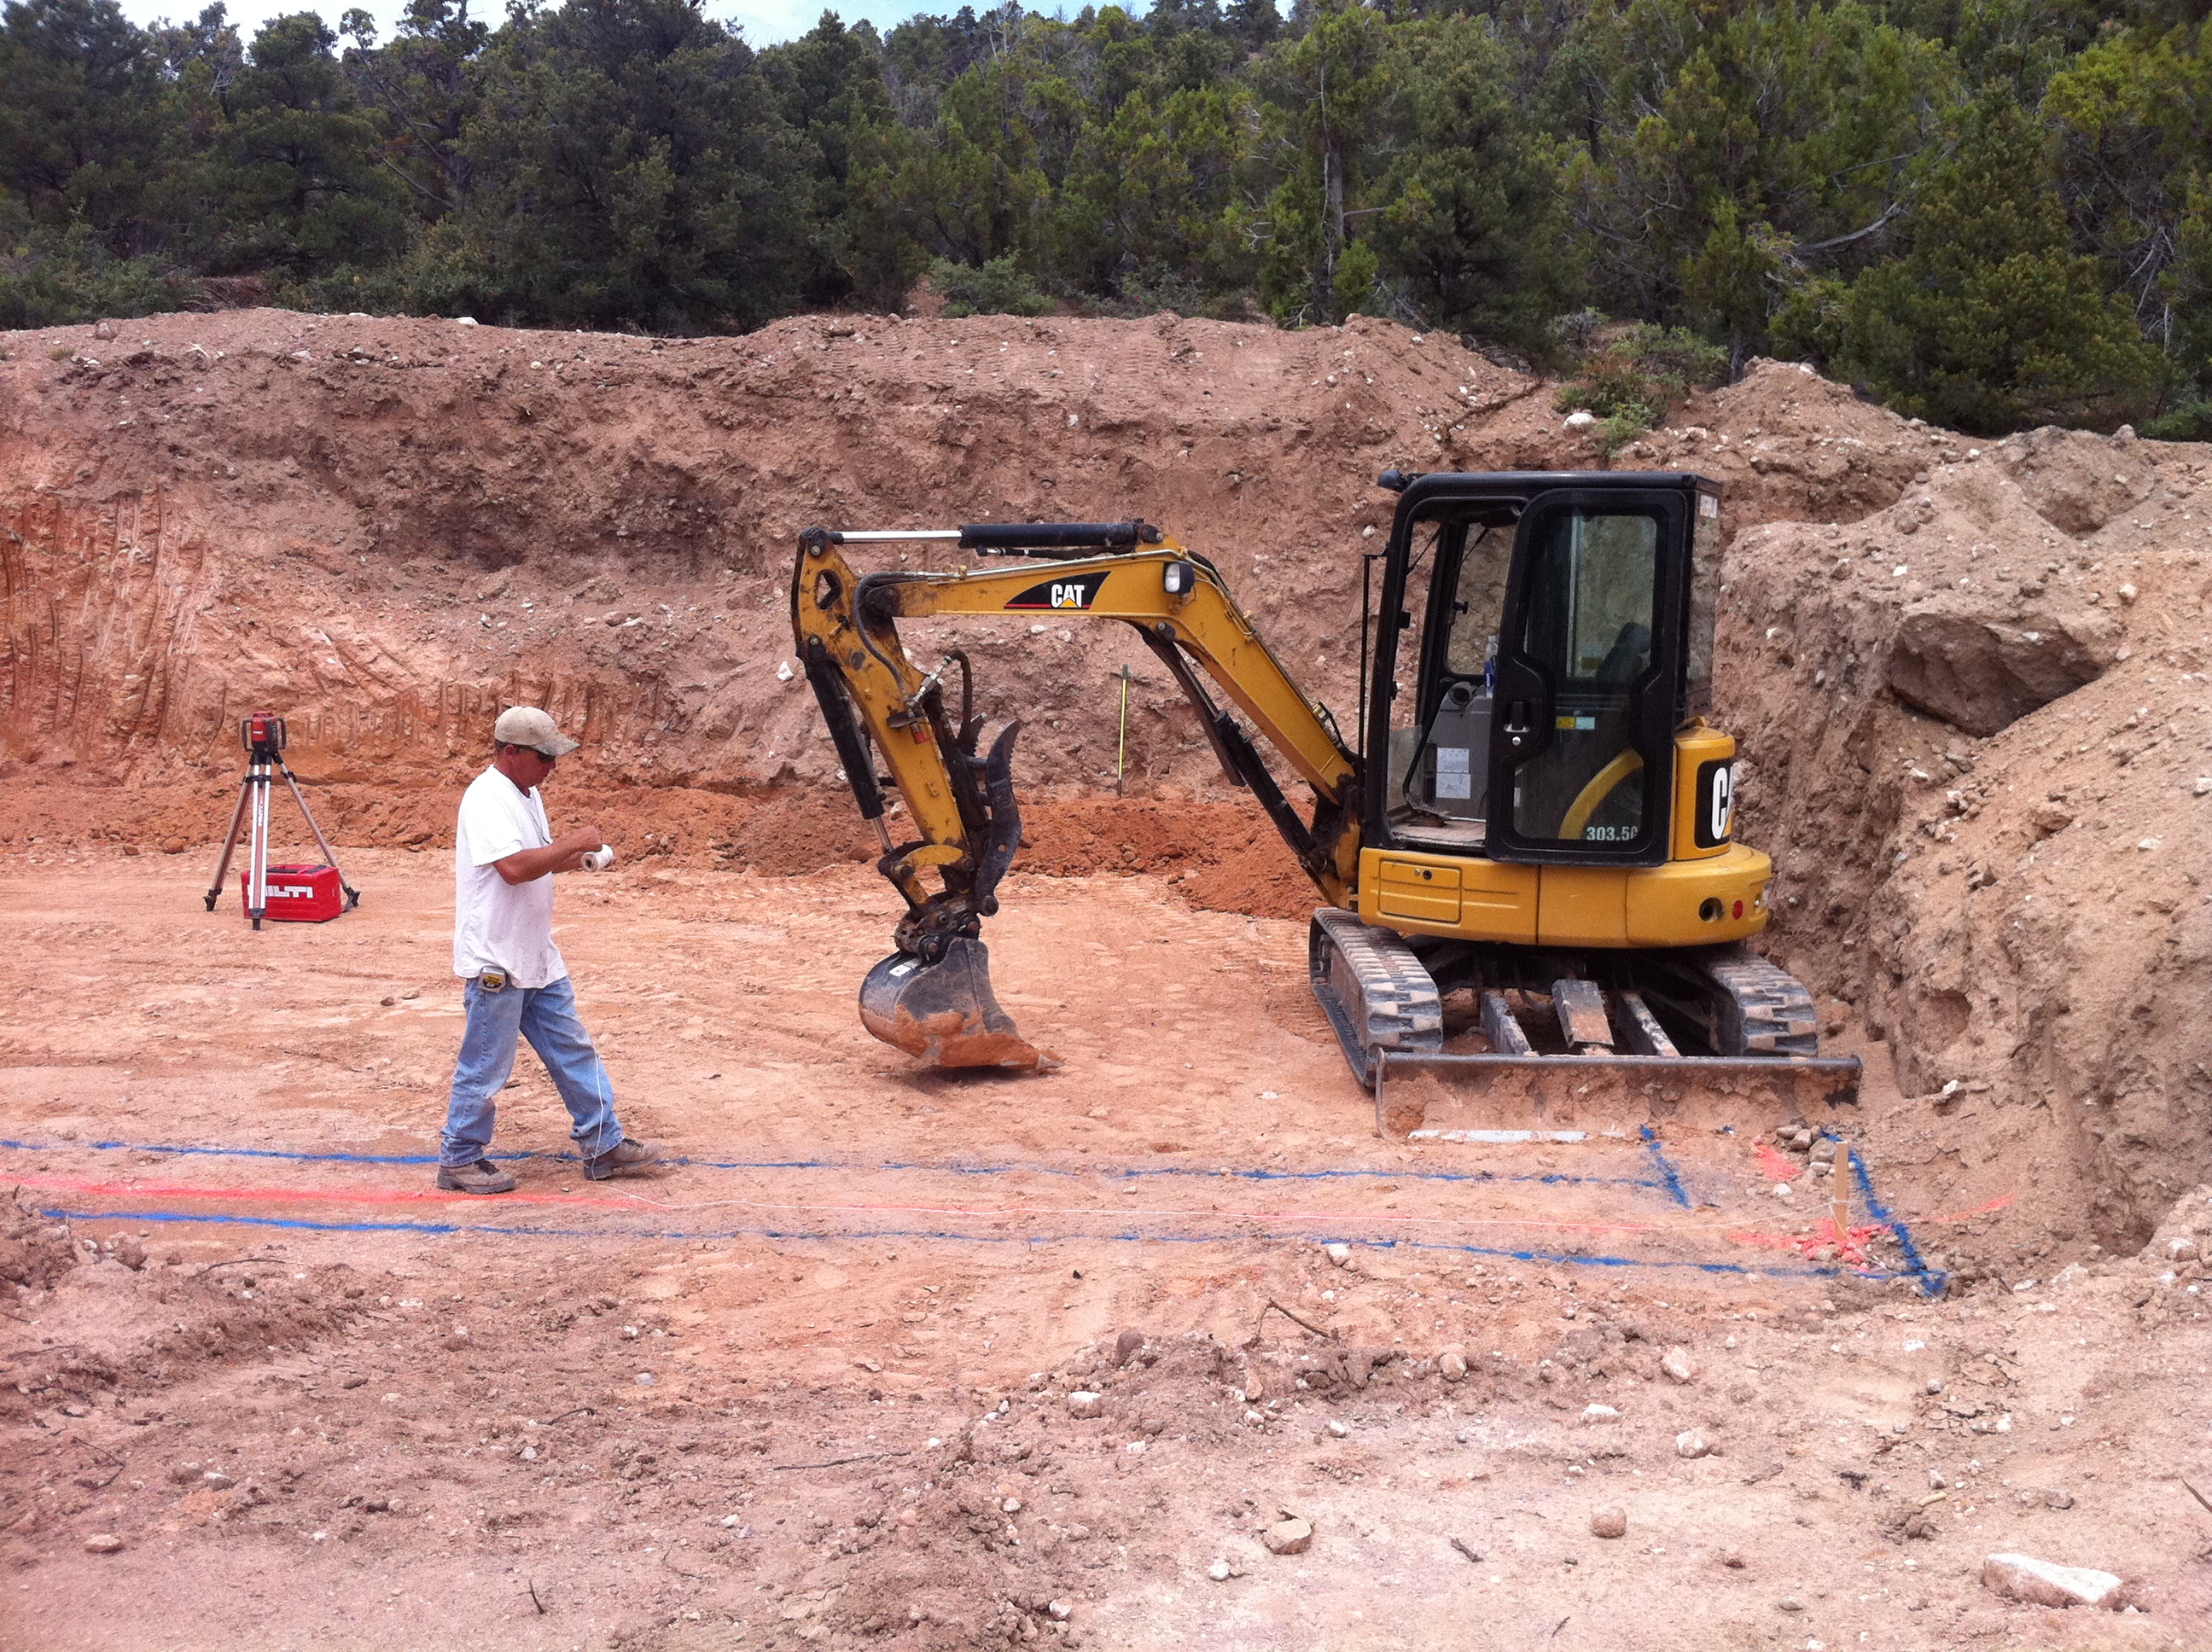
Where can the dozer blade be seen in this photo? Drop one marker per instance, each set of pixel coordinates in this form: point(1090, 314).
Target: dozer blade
point(945, 1013)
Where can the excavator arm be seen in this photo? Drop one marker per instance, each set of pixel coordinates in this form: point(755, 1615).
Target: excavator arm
point(932, 996)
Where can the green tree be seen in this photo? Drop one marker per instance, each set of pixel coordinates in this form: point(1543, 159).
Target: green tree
point(423, 90)
point(629, 168)
point(1735, 140)
point(829, 87)
point(1328, 90)
point(2132, 122)
point(295, 178)
point(1990, 321)
point(1471, 227)
point(88, 127)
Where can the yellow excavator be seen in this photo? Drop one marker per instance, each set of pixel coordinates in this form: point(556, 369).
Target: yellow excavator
point(1535, 810)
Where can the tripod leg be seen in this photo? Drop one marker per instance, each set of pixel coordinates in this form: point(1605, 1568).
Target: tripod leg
point(258, 894)
point(352, 895)
point(229, 842)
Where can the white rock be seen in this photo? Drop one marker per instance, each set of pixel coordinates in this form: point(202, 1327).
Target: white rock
point(1692, 1442)
point(465, 321)
point(1219, 1571)
point(1451, 1365)
point(1581, 419)
point(1083, 1402)
point(2046, 1583)
point(1061, 1611)
point(1675, 1362)
point(1337, 1430)
point(1595, 1413)
point(1338, 1253)
point(784, 674)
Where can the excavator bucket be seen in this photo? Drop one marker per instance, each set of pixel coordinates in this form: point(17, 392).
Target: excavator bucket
point(945, 1014)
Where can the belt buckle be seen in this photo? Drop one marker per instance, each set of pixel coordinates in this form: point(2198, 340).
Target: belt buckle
point(492, 980)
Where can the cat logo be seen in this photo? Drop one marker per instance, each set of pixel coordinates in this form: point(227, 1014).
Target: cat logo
point(1062, 595)
point(1716, 815)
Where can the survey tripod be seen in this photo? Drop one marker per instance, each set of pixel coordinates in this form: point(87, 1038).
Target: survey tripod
point(262, 737)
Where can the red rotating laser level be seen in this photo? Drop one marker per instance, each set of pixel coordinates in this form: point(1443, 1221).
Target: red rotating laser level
point(293, 894)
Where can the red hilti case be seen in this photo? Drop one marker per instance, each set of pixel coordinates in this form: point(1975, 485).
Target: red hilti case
point(298, 894)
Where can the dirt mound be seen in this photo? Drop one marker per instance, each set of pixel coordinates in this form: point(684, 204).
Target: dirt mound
point(386, 529)
point(1975, 725)
point(34, 1251)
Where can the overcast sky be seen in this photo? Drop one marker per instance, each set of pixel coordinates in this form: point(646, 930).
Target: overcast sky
point(766, 21)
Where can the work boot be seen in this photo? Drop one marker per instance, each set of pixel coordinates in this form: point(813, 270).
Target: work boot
point(624, 1155)
point(482, 1177)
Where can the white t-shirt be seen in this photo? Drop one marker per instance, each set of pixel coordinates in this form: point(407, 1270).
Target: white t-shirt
point(498, 925)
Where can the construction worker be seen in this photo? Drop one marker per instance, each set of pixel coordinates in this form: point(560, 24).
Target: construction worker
point(505, 855)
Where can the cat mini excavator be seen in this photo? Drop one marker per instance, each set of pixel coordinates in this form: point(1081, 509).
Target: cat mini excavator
point(1535, 809)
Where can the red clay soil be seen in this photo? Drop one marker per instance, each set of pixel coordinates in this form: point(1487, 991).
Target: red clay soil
point(915, 1362)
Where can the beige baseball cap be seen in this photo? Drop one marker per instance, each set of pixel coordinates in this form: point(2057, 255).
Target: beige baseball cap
point(527, 725)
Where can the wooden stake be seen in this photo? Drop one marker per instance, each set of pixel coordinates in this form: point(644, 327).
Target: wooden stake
point(1121, 747)
point(1841, 1191)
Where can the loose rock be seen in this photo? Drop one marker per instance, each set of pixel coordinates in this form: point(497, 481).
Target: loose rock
point(1451, 1365)
point(1289, 1535)
point(1083, 1402)
point(1219, 1571)
point(1126, 1346)
point(105, 1543)
point(1338, 1253)
point(1675, 1362)
point(1596, 1413)
point(1692, 1442)
point(2046, 1583)
point(1608, 1519)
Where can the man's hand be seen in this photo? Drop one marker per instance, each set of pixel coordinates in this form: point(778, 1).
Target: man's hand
point(564, 853)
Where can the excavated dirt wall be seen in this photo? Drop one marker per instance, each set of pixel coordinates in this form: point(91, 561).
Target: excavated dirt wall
point(1968, 680)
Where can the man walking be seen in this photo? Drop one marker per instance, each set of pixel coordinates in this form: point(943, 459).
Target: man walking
point(505, 855)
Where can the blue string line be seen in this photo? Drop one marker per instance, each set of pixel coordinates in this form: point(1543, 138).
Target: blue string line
point(954, 1168)
point(1668, 1180)
point(1932, 1280)
point(445, 1229)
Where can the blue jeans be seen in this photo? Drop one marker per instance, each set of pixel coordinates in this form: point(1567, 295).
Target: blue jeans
point(546, 1016)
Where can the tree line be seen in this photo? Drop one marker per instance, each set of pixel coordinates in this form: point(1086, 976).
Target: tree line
point(1990, 213)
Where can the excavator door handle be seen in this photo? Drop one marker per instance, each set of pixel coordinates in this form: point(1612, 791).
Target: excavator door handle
point(1516, 721)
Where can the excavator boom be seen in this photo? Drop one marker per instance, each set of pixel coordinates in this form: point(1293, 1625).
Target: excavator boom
point(933, 997)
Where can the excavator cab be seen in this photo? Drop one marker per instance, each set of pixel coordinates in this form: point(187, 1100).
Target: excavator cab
point(1565, 635)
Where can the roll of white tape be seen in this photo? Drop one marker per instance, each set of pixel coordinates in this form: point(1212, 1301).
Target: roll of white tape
point(600, 859)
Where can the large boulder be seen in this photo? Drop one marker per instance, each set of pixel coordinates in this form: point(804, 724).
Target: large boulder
point(1980, 672)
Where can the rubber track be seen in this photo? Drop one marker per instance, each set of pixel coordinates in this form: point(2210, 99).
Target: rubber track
point(1764, 1009)
point(1397, 1007)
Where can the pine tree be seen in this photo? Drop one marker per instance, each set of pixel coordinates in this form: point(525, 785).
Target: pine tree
point(1991, 321)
